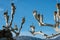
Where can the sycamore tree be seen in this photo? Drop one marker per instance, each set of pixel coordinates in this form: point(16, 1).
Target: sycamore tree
point(39, 19)
point(8, 25)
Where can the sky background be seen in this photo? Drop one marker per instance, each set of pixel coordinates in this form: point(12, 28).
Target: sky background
point(24, 8)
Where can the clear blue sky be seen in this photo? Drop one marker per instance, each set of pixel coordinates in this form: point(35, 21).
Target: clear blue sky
point(24, 8)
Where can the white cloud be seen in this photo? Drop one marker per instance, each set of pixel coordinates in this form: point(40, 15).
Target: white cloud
point(26, 33)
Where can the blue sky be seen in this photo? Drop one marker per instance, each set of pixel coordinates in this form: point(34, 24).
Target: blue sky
point(24, 8)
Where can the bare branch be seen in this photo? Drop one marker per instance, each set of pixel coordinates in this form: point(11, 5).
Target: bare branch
point(6, 17)
point(12, 13)
point(55, 16)
point(52, 36)
point(23, 21)
point(33, 32)
point(15, 27)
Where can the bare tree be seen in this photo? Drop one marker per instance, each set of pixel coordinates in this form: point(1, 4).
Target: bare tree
point(8, 27)
point(55, 26)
